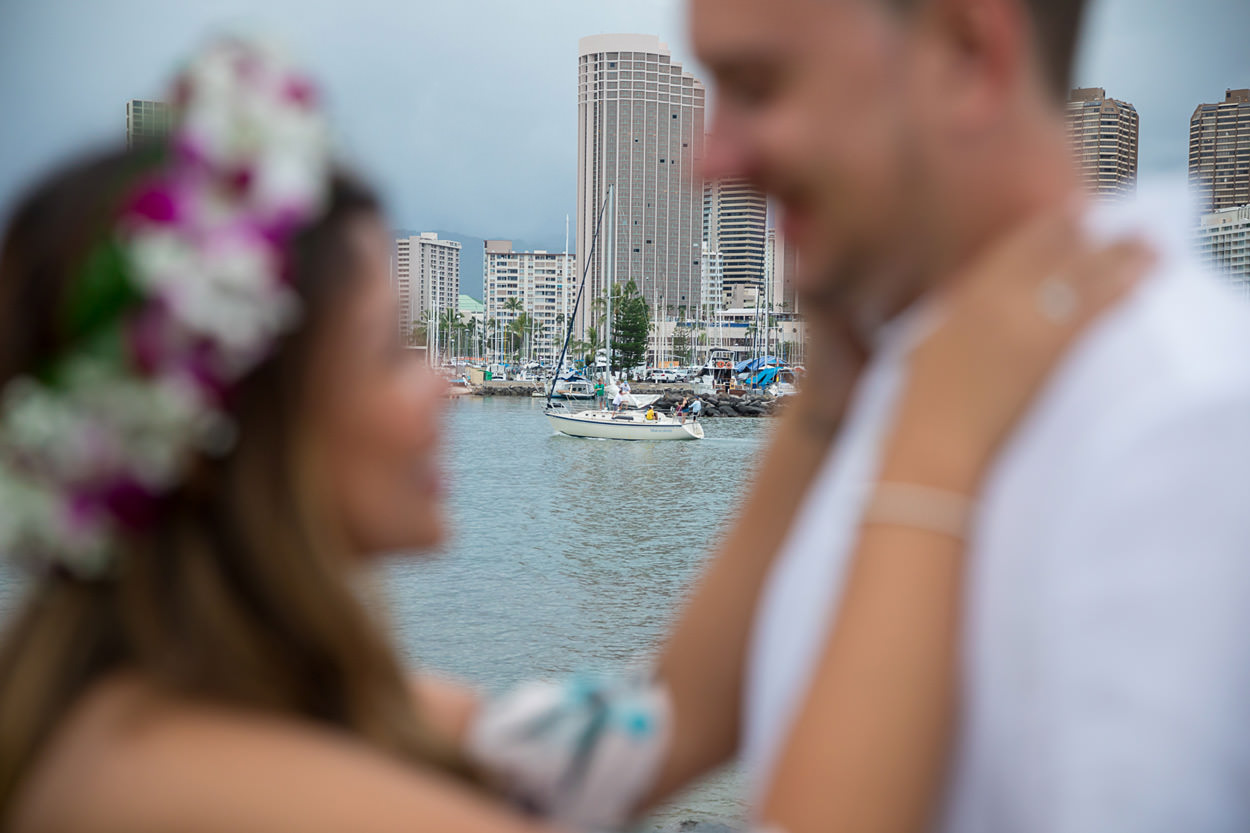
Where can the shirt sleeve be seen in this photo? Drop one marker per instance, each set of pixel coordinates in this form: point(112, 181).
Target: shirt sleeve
point(1148, 674)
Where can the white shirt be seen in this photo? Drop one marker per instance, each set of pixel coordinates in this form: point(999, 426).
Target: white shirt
point(1106, 676)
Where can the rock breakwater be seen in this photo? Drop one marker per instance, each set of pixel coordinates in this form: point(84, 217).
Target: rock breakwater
point(714, 405)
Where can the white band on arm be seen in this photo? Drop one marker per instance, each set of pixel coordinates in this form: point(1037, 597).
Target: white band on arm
point(920, 507)
point(583, 752)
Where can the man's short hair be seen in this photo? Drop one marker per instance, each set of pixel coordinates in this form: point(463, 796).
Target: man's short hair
point(1057, 25)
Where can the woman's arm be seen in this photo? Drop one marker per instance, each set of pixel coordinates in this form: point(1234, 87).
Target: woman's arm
point(447, 706)
point(869, 745)
point(133, 758)
point(702, 662)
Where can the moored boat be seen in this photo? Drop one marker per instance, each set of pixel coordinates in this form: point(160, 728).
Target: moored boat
point(717, 374)
point(573, 387)
point(626, 425)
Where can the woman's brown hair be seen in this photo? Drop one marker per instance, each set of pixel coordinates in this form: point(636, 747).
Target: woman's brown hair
point(241, 592)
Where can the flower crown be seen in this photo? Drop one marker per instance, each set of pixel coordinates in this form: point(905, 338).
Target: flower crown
point(189, 292)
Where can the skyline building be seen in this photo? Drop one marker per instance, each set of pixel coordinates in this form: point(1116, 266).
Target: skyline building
point(425, 274)
point(147, 121)
point(1219, 152)
point(640, 128)
point(735, 217)
point(1104, 133)
point(472, 309)
point(543, 284)
point(1224, 243)
point(780, 264)
point(712, 285)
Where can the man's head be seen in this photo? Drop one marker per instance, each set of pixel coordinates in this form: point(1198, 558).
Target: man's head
point(883, 127)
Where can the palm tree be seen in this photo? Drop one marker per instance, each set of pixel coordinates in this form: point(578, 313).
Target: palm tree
point(513, 304)
point(490, 327)
point(558, 342)
point(449, 325)
point(519, 329)
point(599, 310)
point(513, 333)
point(537, 331)
point(588, 348)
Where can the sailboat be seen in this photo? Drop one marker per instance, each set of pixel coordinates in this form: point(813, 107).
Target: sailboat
point(628, 424)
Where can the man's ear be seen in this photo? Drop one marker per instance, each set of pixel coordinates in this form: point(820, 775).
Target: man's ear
point(983, 54)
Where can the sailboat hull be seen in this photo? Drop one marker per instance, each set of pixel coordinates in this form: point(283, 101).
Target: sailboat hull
point(631, 425)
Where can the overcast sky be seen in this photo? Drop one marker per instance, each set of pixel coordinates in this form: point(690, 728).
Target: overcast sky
point(464, 111)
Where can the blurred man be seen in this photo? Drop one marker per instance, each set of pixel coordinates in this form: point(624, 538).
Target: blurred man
point(1107, 665)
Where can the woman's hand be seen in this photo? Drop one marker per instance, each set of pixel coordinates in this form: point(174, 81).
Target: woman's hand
point(1003, 326)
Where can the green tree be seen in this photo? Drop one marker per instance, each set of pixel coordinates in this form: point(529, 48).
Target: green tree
point(513, 334)
point(631, 326)
point(489, 335)
point(586, 349)
point(449, 326)
point(519, 329)
point(470, 334)
point(682, 345)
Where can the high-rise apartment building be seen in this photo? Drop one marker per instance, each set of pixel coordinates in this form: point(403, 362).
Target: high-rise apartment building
point(1104, 134)
point(1219, 152)
point(780, 265)
point(640, 127)
point(735, 219)
point(1224, 241)
point(712, 286)
point(425, 274)
point(147, 121)
point(544, 287)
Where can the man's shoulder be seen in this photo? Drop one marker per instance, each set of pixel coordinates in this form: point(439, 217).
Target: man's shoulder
point(1184, 335)
point(1172, 364)
point(1186, 328)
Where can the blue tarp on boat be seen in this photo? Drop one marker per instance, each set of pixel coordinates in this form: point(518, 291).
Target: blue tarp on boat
point(766, 377)
point(752, 365)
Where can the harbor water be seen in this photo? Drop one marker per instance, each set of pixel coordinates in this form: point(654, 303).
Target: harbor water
point(564, 554)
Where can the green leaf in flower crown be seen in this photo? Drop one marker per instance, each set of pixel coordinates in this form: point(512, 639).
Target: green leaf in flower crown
point(102, 293)
point(107, 346)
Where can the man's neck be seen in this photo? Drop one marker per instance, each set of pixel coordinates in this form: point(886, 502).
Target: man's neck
point(1027, 178)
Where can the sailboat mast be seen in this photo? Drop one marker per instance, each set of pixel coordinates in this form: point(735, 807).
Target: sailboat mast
point(577, 300)
point(610, 274)
point(564, 282)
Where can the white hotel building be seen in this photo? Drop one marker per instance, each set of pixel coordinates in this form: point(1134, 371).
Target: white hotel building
point(425, 273)
point(712, 286)
point(640, 128)
point(1224, 242)
point(545, 285)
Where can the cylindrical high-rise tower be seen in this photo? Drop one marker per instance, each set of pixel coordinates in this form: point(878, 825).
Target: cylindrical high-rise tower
point(640, 123)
